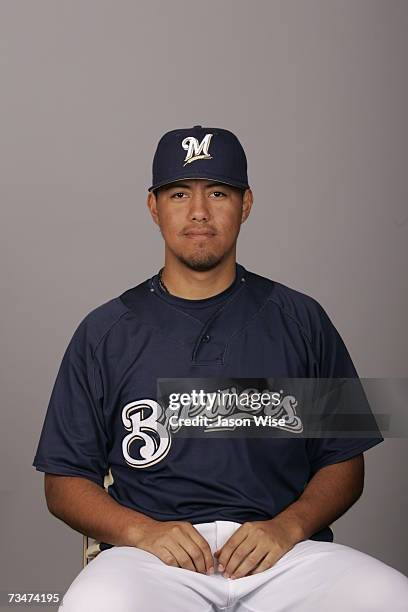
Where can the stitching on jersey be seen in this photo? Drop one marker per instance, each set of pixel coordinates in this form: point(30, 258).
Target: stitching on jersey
point(348, 454)
point(298, 323)
point(47, 465)
point(210, 321)
point(149, 325)
point(208, 362)
point(187, 314)
point(239, 331)
point(107, 332)
point(222, 305)
point(184, 345)
point(285, 312)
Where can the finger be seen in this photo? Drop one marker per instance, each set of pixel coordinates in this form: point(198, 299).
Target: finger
point(229, 547)
point(181, 556)
point(166, 556)
point(195, 552)
point(204, 546)
point(249, 564)
point(181, 535)
point(265, 564)
point(246, 555)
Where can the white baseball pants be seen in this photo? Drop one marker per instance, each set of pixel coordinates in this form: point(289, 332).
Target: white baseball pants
point(312, 577)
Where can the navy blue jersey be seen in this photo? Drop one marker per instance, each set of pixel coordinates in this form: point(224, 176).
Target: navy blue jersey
point(256, 328)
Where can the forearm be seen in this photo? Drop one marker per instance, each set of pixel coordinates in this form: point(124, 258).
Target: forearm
point(327, 496)
point(87, 508)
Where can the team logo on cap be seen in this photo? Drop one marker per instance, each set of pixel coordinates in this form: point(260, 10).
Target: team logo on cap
point(196, 150)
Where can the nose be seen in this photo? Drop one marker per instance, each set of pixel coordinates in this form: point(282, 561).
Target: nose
point(199, 209)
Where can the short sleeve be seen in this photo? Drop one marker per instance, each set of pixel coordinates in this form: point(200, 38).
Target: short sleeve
point(73, 440)
point(334, 361)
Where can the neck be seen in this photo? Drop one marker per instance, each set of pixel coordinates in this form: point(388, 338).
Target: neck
point(181, 281)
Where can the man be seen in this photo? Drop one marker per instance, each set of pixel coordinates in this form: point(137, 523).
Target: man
point(212, 520)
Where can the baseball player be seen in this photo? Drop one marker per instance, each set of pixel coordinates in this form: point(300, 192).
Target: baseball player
point(212, 520)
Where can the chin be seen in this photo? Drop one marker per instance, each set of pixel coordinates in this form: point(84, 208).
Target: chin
point(200, 263)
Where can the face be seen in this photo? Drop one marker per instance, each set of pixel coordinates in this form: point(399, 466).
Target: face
point(199, 220)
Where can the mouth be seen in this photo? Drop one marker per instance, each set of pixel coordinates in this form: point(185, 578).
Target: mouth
point(199, 235)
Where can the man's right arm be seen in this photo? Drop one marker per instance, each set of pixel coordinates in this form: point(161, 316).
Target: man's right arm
point(87, 508)
point(74, 435)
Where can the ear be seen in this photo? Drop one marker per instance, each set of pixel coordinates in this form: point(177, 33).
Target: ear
point(152, 206)
point(247, 202)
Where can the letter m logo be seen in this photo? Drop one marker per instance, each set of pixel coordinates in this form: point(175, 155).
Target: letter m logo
point(196, 150)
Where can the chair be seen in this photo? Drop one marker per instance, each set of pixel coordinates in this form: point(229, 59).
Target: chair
point(90, 547)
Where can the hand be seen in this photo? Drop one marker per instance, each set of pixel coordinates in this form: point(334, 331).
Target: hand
point(254, 547)
point(176, 543)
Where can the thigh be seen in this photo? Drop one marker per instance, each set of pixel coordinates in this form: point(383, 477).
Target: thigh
point(323, 576)
point(128, 579)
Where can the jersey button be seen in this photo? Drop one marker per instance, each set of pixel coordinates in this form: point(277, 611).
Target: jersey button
point(206, 338)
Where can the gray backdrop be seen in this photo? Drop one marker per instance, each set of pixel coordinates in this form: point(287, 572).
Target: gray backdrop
point(317, 93)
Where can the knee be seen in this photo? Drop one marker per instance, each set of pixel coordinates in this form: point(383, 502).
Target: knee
point(96, 597)
point(390, 592)
point(384, 589)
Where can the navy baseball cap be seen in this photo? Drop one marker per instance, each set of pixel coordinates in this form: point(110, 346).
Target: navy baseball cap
point(199, 153)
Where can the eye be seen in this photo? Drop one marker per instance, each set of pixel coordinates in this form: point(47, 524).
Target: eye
point(220, 193)
point(177, 194)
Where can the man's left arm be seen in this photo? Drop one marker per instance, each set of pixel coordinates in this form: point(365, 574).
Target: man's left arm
point(257, 545)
